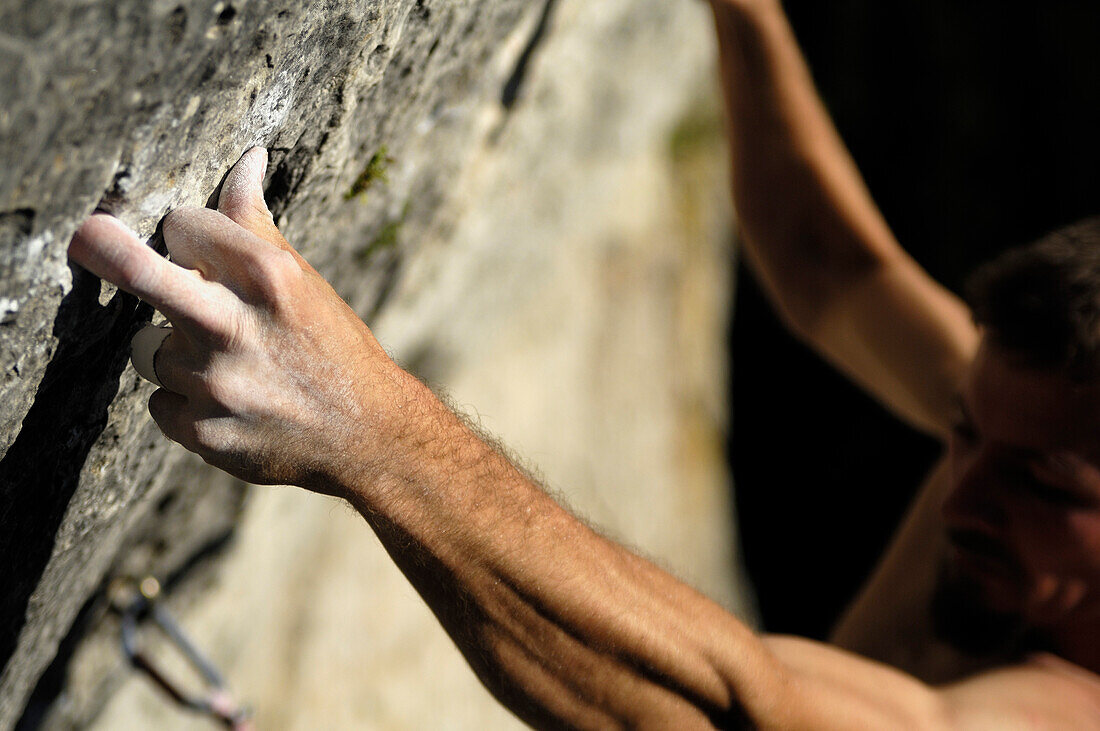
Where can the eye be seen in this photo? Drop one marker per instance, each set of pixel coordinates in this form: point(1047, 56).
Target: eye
point(1054, 495)
point(1054, 487)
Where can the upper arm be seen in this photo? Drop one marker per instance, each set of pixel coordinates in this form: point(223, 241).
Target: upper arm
point(829, 688)
point(1053, 694)
point(815, 237)
point(895, 331)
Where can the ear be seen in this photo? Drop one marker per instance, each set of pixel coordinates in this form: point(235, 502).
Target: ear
point(242, 195)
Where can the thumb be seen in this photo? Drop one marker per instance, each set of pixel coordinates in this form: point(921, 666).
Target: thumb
point(242, 194)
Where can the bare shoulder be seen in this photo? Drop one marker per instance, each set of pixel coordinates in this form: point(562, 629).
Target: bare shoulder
point(1045, 692)
point(851, 691)
point(843, 690)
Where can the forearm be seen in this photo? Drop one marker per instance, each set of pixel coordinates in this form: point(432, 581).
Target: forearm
point(797, 191)
point(813, 234)
point(270, 376)
point(564, 626)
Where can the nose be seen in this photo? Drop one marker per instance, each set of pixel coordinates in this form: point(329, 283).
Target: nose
point(976, 501)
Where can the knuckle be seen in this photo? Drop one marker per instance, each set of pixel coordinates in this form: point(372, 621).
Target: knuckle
point(179, 220)
point(257, 209)
point(277, 276)
point(187, 435)
point(217, 328)
point(172, 222)
point(207, 436)
point(224, 331)
point(222, 392)
point(171, 419)
point(219, 323)
point(158, 408)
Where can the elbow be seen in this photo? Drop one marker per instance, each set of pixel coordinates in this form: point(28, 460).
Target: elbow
point(803, 317)
point(809, 268)
point(594, 690)
point(807, 312)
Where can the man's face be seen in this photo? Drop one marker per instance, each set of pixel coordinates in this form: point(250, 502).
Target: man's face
point(1023, 515)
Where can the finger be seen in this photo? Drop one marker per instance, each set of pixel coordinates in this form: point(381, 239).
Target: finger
point(242, 197)
point(169, 412)
point(182, 366)
point(206, 436)
point(220, 248)
point(143, 351)
point(107, 248)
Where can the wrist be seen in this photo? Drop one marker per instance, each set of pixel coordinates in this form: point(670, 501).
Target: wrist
point(404, 429)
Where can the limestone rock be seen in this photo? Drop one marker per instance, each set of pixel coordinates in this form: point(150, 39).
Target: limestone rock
point(526, 201)
point(139, 107)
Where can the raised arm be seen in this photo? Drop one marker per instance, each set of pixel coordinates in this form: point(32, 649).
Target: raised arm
point(270, 376)
point(815, 237)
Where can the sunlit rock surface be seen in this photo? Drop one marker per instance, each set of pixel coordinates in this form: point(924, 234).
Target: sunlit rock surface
point(527, 202)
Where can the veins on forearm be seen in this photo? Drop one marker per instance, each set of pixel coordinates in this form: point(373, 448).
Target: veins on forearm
point(563, 625)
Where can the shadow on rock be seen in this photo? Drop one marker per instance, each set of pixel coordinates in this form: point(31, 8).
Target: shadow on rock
point(41, 470)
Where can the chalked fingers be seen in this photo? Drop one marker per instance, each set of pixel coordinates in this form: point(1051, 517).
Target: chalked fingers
point(109, 249)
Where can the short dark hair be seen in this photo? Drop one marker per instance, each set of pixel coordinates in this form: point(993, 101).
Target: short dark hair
point(1041, 302)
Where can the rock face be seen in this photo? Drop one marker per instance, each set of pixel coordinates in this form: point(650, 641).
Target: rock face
point(526, 201)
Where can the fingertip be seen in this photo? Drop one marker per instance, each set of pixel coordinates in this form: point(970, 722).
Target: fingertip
point(253, 163)
point(97, 231)
point(164, 405)
point(166, 410)
point(161, 400)
point(100, 225)
point(242, 191)
point(261, 154)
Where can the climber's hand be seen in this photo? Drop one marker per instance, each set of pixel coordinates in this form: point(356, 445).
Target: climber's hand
point(267, 374)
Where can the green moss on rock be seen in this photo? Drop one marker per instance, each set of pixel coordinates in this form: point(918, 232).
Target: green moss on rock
point(374, 171)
